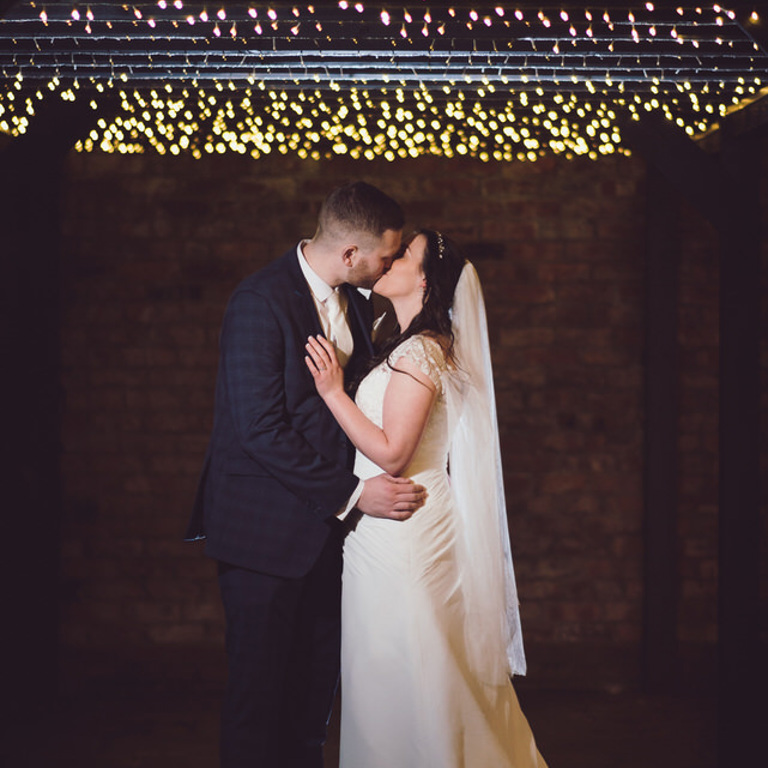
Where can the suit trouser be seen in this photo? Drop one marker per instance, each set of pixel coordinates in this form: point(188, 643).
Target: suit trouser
point(282, 641)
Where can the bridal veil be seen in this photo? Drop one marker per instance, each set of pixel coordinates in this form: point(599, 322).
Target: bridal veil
point(493, 634)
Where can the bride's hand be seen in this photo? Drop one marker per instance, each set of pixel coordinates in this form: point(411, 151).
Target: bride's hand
point(324, 366)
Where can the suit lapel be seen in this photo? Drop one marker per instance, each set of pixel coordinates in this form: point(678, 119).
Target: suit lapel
point(302, 296)
point(359, 310)
point(360, 317)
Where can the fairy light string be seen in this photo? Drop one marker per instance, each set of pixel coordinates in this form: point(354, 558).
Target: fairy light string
point(492, 81)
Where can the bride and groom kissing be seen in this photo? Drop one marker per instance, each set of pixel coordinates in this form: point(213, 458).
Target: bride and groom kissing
point(333, 461)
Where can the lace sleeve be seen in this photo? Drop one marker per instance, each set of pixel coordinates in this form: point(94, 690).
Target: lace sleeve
point(426, 353)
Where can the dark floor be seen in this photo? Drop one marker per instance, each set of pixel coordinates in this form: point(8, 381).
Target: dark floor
point(163, 729)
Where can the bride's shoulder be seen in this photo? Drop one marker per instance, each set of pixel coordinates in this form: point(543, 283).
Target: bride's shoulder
point(423, 344)
point(428, 352)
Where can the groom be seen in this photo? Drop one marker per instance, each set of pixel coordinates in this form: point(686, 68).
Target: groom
point(276, 480)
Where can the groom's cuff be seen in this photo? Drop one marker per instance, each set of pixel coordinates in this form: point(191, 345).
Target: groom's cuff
point(352, 501)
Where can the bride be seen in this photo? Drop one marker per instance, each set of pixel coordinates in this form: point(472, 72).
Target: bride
point(430, 623)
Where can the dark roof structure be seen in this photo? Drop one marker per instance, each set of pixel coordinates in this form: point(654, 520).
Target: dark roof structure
point(496, 81)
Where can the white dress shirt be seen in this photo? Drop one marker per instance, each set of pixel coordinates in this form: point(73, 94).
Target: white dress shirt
point(320, 291)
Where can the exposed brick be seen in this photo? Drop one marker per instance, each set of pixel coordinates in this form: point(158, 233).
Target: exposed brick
point(145, 280)
point(180, 633)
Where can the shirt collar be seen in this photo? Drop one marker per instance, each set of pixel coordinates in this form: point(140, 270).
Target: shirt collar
point(320, 289)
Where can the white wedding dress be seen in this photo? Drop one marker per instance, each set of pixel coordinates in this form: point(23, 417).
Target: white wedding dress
point(409, 696)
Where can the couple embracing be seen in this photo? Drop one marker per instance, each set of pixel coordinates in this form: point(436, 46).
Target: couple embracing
point(327, 455)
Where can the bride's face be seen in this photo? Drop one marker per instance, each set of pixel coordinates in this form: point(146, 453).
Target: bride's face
point(405, 278)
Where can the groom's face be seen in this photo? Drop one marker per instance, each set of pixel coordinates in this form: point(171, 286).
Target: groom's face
point(374, 258)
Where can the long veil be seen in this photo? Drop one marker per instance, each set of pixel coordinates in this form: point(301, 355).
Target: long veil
point(493, 633)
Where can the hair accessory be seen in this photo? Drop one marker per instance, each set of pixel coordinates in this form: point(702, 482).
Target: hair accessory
point(440, 245)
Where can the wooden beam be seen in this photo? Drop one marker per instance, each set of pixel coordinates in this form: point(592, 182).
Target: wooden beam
point(661, 577)
point(31, 167)
point(697, 175)
point(28, 200)
point(751, 117)
point(726, 190)
point(739, 661)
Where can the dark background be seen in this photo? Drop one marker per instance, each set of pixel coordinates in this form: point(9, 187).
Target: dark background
point(118, 271)
point(151, 249)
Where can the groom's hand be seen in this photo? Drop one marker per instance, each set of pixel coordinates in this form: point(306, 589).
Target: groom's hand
point(396, 498)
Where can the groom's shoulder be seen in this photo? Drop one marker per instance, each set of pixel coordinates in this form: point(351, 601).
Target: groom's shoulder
point(274, 277)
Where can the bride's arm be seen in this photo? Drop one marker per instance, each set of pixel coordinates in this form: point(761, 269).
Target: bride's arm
point(407, 402)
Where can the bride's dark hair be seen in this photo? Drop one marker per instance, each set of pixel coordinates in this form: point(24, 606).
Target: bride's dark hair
point(442, 266)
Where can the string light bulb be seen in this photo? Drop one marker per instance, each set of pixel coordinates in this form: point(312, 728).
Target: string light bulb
point(494, 69)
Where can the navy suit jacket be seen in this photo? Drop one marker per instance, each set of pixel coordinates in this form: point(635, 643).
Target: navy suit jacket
point(278, 467)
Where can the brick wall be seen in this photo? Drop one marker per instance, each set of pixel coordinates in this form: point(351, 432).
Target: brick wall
point(153, 248)
point(698, 335)
point(764, 403)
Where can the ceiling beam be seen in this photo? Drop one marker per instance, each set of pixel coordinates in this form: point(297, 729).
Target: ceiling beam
point(696, 174)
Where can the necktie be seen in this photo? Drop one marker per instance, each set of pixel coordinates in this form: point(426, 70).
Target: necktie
point(339, 333)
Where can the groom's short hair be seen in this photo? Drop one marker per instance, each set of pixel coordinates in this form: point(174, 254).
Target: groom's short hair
point(359, 207)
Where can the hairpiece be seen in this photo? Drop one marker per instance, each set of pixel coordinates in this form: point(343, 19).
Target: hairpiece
point(440, 245)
